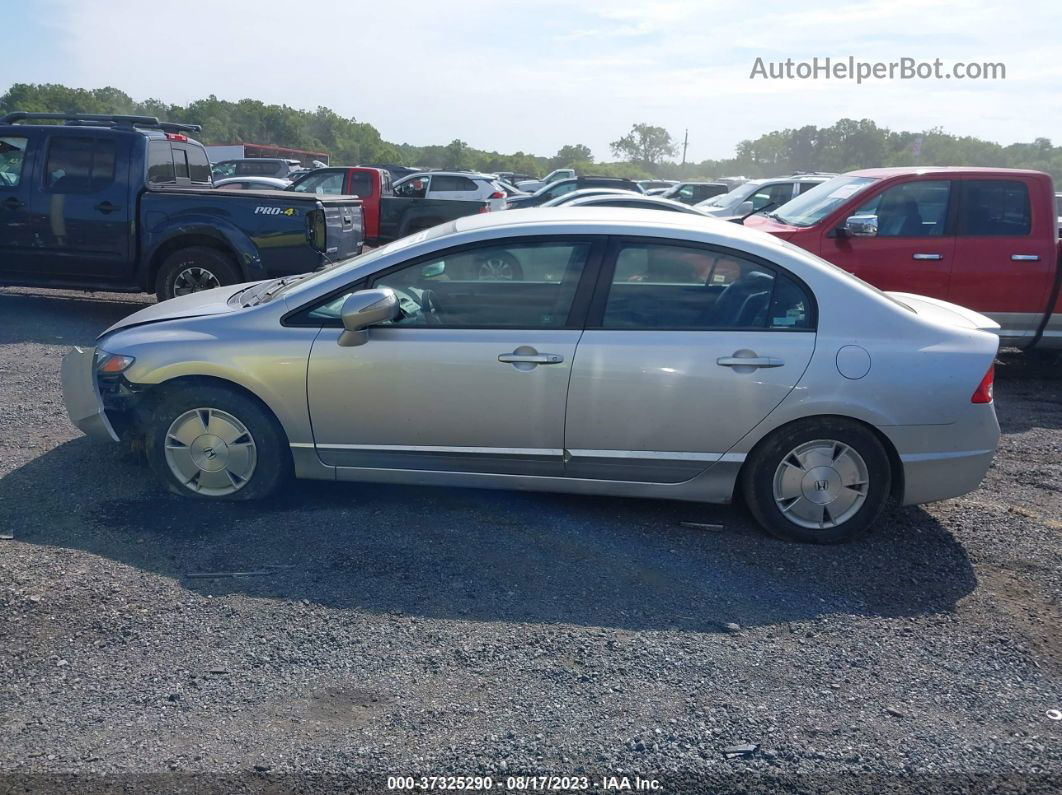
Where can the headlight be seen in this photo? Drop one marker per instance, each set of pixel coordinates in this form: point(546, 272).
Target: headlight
point(112, 363)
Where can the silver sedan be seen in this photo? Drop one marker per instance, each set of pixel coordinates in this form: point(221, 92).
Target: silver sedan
point(642, 354)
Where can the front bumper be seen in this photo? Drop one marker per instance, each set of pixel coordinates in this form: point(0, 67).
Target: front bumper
point(81, 394)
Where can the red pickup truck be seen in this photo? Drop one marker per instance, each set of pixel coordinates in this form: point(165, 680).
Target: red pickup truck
point(387, 217)
point(984, 238)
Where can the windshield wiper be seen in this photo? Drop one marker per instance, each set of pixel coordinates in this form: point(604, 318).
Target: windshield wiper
point(760, 210)
point(267, 290)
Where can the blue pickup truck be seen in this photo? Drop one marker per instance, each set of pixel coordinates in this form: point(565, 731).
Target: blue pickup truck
point(127, 204)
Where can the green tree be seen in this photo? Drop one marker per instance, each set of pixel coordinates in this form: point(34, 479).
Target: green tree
point(645, 145)
point(572, 155)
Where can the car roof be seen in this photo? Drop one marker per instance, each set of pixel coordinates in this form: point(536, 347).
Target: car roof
point(896, 171)
point(626, 218)
point(469, 174)
point(649, 201)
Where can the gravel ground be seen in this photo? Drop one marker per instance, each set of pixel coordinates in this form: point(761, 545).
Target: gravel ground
point(395, 630)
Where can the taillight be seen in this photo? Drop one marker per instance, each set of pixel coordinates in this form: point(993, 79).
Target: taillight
point(485, 208)
point(176, 137)
point(316, 229)
point(983, 393)
point(497, 195)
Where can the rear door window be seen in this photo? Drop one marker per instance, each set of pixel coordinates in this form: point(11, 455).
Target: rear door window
point(361, 184)
point(993, 207)
point(662, 286)
point(79, 165)
point(12, 156)
point(448, 183)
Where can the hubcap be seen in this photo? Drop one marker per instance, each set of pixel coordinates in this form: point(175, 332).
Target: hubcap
point(193, 279)
point(210, 452)
point(821, 484)
point(496, 269)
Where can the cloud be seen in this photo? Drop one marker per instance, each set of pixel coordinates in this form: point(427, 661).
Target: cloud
point(536, 76)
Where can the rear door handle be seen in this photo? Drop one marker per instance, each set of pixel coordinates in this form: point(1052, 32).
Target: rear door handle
point(12, 203)
point(1025, 257)
point(106, 207)
point(749, 361)
point(530, 358)
point(927, 256)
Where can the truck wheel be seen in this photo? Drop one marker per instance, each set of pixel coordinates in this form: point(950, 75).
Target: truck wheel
point(213, 442)
point(193, 269)
point(498, 266)
point(819, 480)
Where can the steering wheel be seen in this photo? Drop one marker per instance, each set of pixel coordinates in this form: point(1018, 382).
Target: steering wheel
point(408, 301)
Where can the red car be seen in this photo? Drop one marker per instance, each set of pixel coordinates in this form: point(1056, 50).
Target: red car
point(387, 217)
point(985, 238)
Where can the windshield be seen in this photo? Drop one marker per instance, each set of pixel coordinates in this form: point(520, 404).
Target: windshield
point(730, 200)
point(809, 208)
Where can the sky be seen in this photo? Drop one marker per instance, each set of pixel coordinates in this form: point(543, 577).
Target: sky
point(534, 75)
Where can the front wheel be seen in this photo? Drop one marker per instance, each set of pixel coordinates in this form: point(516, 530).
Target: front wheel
point(212, 442)
point(819, 480)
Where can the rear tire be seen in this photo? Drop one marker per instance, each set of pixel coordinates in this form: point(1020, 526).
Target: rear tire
point(216, 443)
point(821, 480)
point(193, 269)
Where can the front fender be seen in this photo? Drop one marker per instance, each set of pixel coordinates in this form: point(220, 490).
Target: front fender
point(273, 369)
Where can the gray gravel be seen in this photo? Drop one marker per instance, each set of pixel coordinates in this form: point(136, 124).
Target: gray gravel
point(393, 630)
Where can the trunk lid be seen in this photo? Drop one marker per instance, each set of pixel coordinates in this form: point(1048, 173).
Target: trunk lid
point(945, 312)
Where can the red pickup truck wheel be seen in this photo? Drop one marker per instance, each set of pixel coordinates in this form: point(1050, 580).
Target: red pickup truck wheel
point(193, 269)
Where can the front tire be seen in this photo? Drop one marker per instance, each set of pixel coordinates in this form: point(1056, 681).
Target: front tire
point(215, 443)
point(192, 270)
point(823, 481)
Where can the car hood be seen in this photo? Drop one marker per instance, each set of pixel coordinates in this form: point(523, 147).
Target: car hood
point(205, 302)
point(765, 224)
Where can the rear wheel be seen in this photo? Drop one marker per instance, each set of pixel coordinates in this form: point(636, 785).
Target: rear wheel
point(193, 269)
point(819, 480)
point(212, 442)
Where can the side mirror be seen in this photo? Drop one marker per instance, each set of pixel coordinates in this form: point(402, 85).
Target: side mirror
point(861, 226)
point(744, 208)
point(363, 309)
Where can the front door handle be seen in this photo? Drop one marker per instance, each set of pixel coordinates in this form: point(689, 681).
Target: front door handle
point(12, 203)
point(106, 207)
point(530, 358)
point(749, 361)
point(927, 256)
point(1025, 257)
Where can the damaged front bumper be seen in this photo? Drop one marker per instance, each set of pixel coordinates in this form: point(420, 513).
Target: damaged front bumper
point(81, 394)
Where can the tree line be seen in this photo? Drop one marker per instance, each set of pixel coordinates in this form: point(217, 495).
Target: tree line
point(644, 151)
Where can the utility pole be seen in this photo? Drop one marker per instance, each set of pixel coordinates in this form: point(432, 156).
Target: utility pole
point(685, 143)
